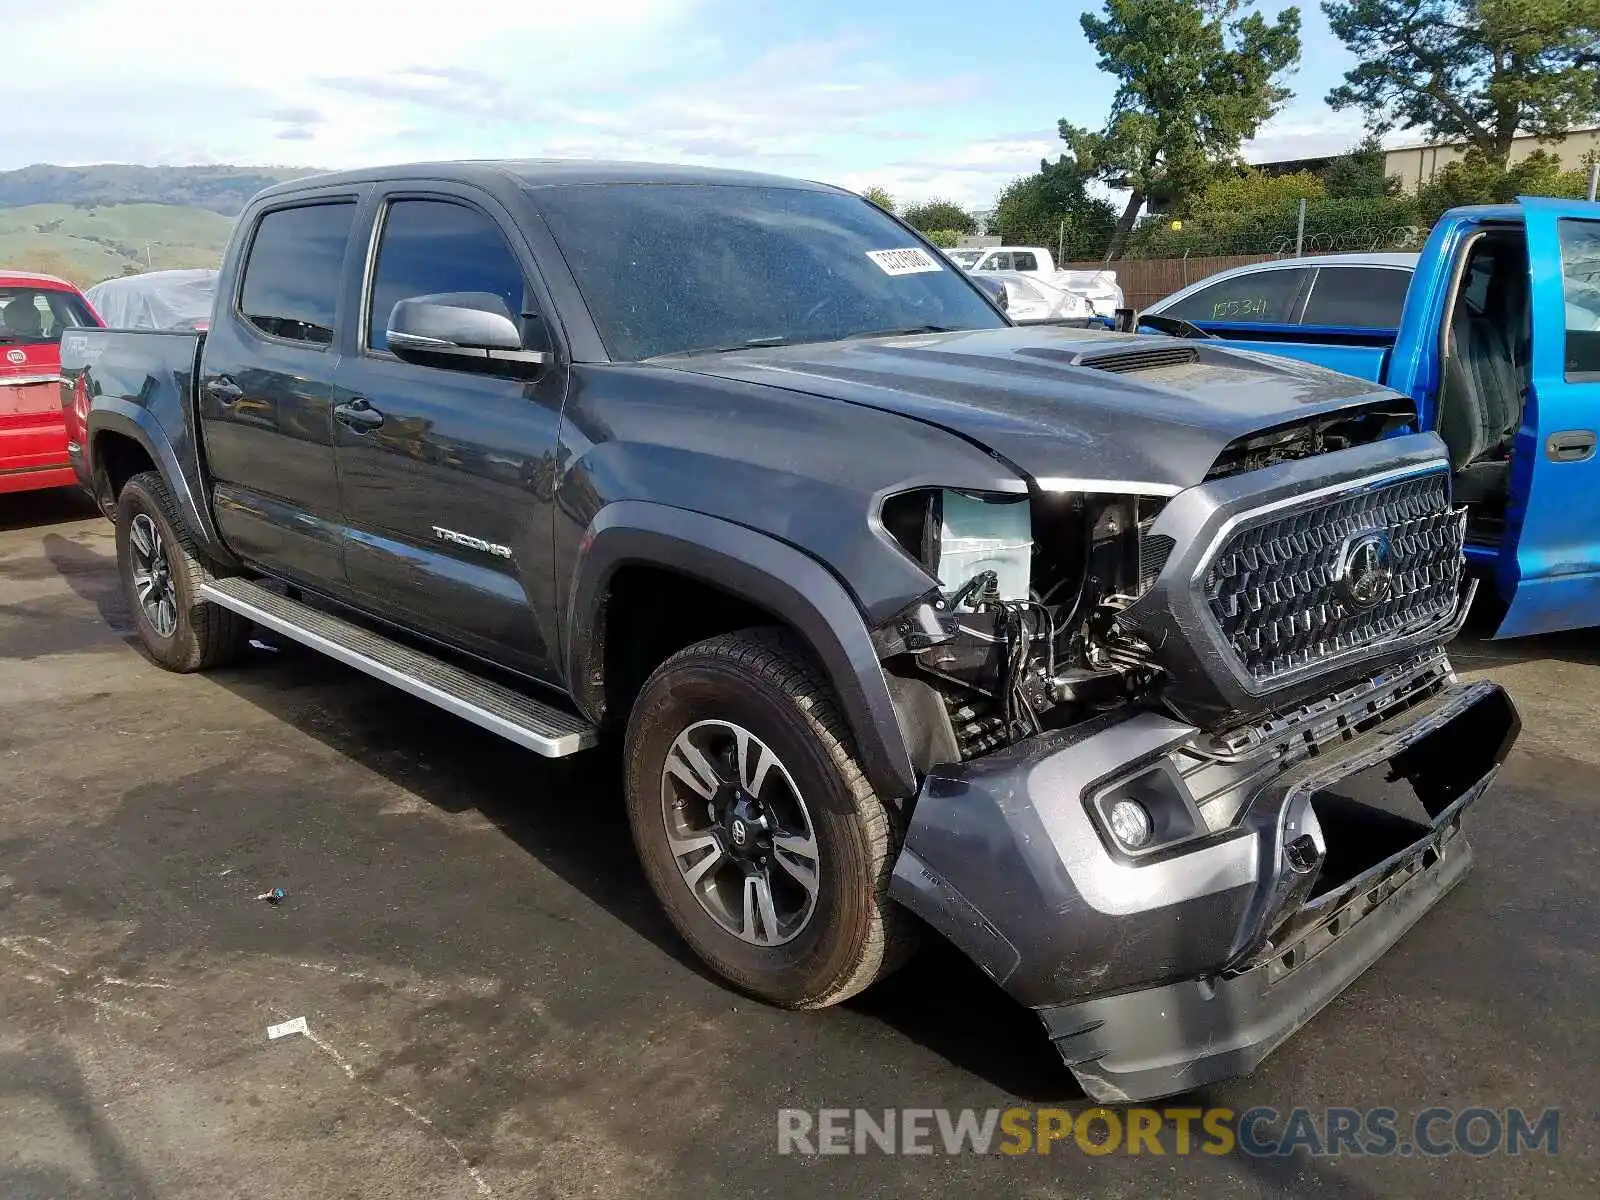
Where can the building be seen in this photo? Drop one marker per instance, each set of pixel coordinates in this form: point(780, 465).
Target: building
point(1417, 164)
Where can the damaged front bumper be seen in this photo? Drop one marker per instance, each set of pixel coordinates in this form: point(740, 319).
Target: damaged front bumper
point(1312, 844)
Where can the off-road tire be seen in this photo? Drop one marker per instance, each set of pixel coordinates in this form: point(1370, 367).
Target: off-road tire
point(763, 680)
point(206, 635)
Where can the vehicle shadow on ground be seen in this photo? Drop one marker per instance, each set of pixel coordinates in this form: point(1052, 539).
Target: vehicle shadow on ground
point(52, 506)
point(940, 1000)
point(1475, 648)
point(46, 1086)
point(92, 575)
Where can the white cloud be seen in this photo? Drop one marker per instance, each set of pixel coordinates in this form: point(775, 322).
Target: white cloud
point(332, 83)
point(187, 80)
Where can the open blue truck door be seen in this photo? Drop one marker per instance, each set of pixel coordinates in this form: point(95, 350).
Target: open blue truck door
point(1549, 564)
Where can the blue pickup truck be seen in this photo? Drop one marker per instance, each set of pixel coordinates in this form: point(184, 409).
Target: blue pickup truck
point(1493, 330)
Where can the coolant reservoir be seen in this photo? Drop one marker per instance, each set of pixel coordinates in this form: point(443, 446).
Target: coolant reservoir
point(979, 535)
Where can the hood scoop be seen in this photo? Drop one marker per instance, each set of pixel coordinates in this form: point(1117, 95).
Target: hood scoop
point(1123, 362)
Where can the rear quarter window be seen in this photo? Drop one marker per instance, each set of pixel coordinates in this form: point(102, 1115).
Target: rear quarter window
point(1357, 297)
point(1255, 297)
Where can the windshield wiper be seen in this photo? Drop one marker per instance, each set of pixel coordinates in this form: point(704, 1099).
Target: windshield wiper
point(755, 343)
point(906, 330)
point(781, 339)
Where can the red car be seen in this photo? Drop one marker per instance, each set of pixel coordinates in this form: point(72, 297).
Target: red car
point(34, 311)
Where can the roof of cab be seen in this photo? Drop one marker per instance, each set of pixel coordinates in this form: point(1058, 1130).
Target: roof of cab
point(27, 278)
point(538, 173)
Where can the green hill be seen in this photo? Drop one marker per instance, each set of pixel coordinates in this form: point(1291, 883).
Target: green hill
point(90, 223)
point(220, 189)
point(87, 245)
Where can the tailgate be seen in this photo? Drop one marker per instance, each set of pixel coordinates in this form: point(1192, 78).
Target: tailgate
point(32, 432)
point(29, 399)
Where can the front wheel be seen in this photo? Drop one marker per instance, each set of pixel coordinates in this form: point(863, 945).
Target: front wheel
point(162, 573)
point(757, 830)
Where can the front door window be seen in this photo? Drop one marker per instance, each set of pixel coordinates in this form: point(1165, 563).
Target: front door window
point(1580, 285)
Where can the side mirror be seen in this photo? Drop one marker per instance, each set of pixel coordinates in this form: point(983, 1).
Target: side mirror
point(469, 331)
point(994, 288)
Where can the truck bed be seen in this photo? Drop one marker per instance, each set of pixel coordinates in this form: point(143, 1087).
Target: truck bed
point(1363, 353)
point(142, 379)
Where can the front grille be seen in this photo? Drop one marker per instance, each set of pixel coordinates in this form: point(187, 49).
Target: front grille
point(1154, 550)
point(1272, 588)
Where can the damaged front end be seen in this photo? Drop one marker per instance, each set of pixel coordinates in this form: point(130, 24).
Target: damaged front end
point(1209, 767)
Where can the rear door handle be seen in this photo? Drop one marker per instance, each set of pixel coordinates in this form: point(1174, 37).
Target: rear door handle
point(358, 414)
point(1570, 445)
point(224, 390)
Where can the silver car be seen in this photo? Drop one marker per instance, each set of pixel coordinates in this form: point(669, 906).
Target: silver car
point(1332, 291)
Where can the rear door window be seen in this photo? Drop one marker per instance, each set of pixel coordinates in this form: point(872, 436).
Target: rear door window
point(1580, 285)
point(1022, 260)
point(1255, 297)
point(291, 280)
point(1357, 297)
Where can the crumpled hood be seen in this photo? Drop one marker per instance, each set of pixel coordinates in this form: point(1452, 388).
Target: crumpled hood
point(1034, 397)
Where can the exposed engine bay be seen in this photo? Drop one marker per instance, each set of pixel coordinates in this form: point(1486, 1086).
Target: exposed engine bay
point(1024, 634)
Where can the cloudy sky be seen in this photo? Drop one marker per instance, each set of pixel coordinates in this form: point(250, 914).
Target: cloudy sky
point(926, 98)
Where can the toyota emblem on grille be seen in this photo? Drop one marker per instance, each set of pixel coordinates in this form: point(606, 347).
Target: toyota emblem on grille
point(1365, 576)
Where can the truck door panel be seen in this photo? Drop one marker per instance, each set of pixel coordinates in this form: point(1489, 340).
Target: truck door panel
point(1549, 563)
point(447, 489)
point(266, 395)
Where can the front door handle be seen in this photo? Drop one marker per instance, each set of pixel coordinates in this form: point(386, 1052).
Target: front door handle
point(1570, 445)
point(224, 390)
point(358, 414)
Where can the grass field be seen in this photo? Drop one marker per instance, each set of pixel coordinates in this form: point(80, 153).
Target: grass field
point(87, 245)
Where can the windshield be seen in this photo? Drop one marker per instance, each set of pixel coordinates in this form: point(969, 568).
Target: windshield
point(33, 316)
point(680, 268)
point(965, 258)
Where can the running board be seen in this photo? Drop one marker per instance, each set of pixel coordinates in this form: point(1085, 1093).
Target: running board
point(539, 727)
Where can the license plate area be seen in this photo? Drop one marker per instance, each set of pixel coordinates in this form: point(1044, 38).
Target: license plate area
point(1389, 815)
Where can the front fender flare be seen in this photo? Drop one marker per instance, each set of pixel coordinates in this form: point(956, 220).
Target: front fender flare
point(771, 574)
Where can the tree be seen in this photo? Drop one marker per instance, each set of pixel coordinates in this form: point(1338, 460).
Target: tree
point(1359, 175)
point(1252, 189)
point(1472, 71)
point(1474, 179)
point(945, 239)
point(1053, 208)
point(1197, 79)
point(880, 197)
point(939, 214)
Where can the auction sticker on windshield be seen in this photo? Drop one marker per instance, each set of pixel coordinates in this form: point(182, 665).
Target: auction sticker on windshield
point(910, 261)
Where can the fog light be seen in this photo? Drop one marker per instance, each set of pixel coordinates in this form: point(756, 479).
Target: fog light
point(1130, 823)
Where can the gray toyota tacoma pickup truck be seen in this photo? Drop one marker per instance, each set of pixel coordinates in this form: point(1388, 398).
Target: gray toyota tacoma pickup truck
point(1115, 661)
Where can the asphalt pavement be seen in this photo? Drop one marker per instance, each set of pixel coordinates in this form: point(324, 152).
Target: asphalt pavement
point(494, 1006)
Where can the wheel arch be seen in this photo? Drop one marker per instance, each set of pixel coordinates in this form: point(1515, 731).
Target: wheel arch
point(117, 433)
point(757, 576)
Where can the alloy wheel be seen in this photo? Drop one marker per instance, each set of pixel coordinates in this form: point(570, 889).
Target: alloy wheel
point(740, 833)
point(152, 575)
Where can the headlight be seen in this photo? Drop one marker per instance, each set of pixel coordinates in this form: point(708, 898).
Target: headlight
point(959, 536)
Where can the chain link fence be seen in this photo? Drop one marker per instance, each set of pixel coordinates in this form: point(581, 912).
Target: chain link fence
point(1163, 256)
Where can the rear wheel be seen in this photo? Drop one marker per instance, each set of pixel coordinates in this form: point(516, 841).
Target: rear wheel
point(162, 572)
point(757, 829)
